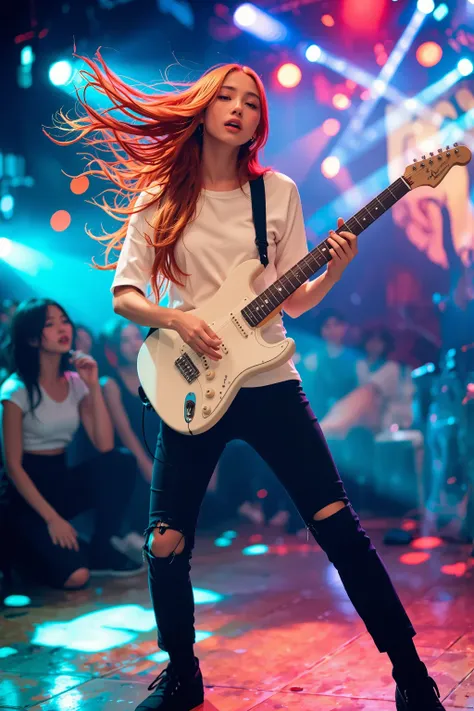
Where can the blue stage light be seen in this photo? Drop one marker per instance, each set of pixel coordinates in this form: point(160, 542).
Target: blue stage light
point(60, 73)
point(441, 12)
point(313, 53)
point(426, 6)
point(251, 19)
point(465, 67)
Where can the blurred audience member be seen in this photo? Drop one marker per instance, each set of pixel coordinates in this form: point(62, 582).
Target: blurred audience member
point(51, 390)
point(84, 339)
point(334, 370)
point(121, 341)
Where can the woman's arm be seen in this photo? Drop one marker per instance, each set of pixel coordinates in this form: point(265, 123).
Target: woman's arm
point(95, 418)
point(92, 409)
point(113, 400)
point(130, 303)
point(12, 443)
point(311, 293)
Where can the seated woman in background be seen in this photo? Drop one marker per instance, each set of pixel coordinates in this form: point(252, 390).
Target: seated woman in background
point(121, 341)
point(379, 382)
point(43, 402)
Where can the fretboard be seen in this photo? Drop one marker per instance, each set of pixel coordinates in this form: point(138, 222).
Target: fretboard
point(271, 299)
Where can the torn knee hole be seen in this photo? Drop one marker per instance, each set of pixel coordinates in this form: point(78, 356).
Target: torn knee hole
point(329, 510)
point(164, 541)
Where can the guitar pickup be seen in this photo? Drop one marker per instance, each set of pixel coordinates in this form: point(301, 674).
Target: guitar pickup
point(187, 368)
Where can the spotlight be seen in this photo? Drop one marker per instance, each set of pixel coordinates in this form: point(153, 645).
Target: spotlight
point(429, 53)
point(5, 247)
point(330, 167)
point(426, 6)
point(465, 67)
point(60, 73)
point(245, 15)
point(313, 53)
point(7, 203)
point(441, 12)
point(27, 57)
point(289, 75)
point(250, 18)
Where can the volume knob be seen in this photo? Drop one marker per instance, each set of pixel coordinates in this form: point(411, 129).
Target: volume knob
point(206, 411)
point(210, 375)
point(210, 393)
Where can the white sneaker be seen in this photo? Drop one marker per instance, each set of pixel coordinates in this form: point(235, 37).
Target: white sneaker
point(130, 545)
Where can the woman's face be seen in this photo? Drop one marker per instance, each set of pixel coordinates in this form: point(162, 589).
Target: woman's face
point(375, 347)
point(130, 343)
point(83, 341)
point(333, 331)
point(57, 332)
point(238, 101)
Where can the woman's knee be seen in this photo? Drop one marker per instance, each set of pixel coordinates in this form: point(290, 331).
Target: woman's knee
point(329, 510)
point(78, 579)
point(164, 541)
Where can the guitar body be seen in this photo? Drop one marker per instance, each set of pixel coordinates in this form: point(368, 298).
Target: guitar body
point(191, 393)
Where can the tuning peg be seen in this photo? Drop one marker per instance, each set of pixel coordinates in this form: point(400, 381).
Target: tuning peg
point(414, 160)
point(447, 148)
point(440, 150)
point(431, 154)
point(423, 157)
point(456, 145)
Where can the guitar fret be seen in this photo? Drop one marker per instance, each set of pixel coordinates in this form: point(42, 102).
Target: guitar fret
point(270, 299)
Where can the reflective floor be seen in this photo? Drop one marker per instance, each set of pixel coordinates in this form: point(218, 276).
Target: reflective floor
point(275, 631)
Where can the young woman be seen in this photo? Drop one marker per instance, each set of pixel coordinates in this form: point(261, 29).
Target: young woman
point(121, 341)
point(43, 401)
point(191, 153)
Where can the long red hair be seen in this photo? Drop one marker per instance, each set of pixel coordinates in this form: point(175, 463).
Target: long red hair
point(152, 140)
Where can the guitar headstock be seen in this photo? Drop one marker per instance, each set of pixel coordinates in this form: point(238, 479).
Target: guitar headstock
point(432, 169)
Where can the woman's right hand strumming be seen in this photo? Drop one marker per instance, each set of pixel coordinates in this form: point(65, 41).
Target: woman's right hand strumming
point(198, 335)
point(62, 533)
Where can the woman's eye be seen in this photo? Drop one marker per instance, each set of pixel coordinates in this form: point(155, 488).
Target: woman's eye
point(252, 106)
point(224, 97)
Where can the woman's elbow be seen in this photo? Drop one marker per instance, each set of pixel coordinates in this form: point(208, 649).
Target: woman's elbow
point(117, 305)
point(104, 447)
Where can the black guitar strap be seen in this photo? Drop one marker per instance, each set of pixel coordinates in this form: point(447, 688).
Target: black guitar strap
point(259, 213)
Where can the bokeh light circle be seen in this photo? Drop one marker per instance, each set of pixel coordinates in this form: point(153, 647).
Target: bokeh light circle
point(429, 54)
point(79, 185)
point(60, 221)
point(289, 75)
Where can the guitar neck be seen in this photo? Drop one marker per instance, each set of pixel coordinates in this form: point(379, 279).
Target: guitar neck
point(271, 299)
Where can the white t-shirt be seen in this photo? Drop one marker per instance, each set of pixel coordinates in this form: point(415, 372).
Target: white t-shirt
point(52, 425)
point(221, 237)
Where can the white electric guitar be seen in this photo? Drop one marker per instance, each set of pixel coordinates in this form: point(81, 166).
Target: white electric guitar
point(190, 392)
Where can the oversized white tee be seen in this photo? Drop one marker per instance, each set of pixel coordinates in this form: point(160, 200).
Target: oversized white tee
point(222, 236)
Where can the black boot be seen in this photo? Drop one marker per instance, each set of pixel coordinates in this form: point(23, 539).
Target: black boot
point(422, 696)
point(174, 693)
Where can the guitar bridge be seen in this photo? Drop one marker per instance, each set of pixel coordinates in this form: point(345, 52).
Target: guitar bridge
point(187, 368)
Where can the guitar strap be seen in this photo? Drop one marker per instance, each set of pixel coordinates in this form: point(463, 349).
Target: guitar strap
point(259, 213)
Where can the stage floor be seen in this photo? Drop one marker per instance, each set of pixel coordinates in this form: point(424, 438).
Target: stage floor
point(276, 631)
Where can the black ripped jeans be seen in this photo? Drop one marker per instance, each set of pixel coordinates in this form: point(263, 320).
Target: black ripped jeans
point(277, 421)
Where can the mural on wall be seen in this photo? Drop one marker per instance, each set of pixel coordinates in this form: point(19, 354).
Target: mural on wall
point(426, 214)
